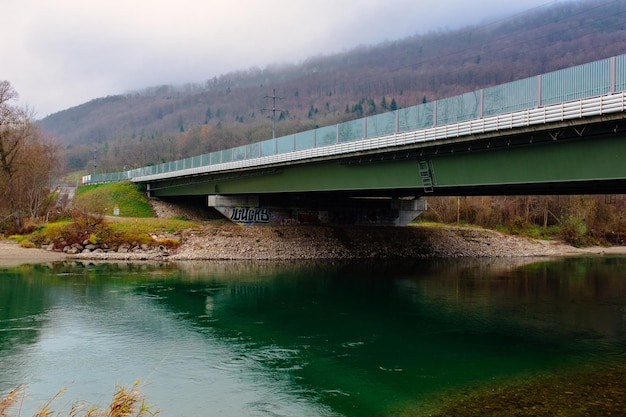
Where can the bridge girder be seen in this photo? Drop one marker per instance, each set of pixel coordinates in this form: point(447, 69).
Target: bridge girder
point(566, 158)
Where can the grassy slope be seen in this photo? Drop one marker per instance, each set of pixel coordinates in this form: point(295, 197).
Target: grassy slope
point(103, 198)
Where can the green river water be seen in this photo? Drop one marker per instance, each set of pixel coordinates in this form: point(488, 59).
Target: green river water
point(303, 339)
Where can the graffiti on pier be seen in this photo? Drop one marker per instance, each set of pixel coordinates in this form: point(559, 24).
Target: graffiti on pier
point(308, 217)
point(250, 215)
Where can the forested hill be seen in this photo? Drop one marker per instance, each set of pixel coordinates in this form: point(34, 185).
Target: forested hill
point(169, 122)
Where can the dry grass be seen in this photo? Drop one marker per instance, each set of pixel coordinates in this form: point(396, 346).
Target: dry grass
point(10, 400)
point(126, 402)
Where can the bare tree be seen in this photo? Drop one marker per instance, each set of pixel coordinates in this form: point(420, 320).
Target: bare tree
point(24, 159)
point(41, 163)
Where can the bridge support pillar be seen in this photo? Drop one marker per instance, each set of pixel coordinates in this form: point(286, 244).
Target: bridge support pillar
point(282, 209)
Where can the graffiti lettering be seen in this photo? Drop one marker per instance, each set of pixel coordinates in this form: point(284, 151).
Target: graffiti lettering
point(250, 215)
point(308, 217)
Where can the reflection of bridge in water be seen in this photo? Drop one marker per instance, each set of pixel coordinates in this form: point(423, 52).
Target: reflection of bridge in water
point(247, 290)
point(556, 133)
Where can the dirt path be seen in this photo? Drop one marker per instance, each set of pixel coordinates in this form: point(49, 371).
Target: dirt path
point(66, 195)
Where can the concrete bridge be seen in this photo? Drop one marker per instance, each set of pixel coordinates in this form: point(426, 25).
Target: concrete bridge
point(557, 133)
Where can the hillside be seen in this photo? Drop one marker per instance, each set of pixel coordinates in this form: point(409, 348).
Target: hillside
point(169, 122)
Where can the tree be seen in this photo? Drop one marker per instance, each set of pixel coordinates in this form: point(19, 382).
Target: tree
point(14, 130)
point(26, 161)
point(42, 162)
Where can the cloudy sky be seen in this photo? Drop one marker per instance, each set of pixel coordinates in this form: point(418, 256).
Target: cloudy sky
point(58, 54)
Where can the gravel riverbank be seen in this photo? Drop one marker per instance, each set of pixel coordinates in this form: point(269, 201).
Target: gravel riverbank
point(225, 241)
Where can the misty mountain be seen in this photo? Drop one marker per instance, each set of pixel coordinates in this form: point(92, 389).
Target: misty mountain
point(167, 122)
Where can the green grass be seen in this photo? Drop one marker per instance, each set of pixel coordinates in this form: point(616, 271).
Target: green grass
point(103, 198)
point(74, 177)
point(149, 225)
point(533, 231)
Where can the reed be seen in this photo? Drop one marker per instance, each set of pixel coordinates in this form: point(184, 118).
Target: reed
point(10, 400)
point(126, 402)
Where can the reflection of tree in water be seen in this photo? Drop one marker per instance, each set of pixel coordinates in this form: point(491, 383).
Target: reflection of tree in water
point(579, 296)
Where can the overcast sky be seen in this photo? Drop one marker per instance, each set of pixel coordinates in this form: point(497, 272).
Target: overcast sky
point(62, 53)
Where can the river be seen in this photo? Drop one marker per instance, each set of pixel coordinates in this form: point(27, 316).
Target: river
point(302, 339)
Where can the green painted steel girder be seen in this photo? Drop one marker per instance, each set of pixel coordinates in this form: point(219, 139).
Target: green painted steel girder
point(584, 159)
point(326, 176)
point(588, 159)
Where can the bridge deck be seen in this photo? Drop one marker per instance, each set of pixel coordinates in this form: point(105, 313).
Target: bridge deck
point(467, 130)
point(572, 96)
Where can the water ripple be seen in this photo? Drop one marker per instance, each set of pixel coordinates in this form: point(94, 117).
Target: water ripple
point(269, 358)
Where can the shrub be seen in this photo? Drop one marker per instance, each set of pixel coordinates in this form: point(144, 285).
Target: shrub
point(88, 222)
point(574, 231)
point(168, 242)
point(27, 244)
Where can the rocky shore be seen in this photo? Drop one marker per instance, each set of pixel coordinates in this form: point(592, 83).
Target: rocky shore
point(225, 241)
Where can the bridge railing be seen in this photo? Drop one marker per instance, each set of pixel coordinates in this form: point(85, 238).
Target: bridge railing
point(550, 97)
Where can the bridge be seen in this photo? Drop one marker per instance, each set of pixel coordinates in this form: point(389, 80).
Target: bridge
point(557, 133)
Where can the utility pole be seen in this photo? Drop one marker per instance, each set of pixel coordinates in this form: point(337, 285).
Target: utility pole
point(274, 110)
point(95, 165)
